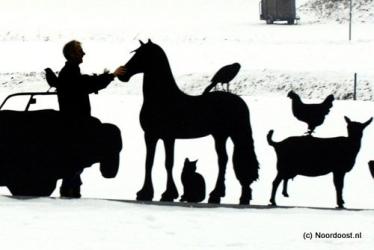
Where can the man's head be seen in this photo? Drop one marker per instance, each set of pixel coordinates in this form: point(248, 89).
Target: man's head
point(73, 52)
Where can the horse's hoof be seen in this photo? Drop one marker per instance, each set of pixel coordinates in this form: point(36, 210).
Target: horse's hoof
point(144, 196)
point(214, 200)
point(182, 199)
point(285, 195)
point(167, 199)
point(272, 203)
point(340, 206)
point(218, 192)
point(246, 196)
point(244, 201)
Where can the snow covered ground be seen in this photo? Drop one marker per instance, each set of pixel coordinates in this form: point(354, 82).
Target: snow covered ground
point(313, 57)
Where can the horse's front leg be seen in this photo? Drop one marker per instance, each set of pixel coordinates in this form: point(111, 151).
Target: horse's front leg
point(220, 188)
point(171, 192)
point(146, 193)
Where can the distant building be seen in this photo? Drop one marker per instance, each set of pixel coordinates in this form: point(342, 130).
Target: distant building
point(278, 10)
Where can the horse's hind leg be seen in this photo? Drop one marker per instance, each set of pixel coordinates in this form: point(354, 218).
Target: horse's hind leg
point(284, 192)
point(220, 189)
point(171, 192)
point(146, 193)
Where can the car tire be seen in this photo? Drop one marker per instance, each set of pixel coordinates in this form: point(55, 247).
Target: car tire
point(32, 188)
point(109, 166)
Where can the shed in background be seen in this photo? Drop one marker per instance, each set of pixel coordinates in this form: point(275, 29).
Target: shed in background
point(278, 10)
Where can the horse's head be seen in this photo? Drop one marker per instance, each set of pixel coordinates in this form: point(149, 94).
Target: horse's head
point(144, 57)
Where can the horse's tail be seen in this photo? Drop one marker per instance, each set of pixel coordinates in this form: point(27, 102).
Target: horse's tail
point(244, 157)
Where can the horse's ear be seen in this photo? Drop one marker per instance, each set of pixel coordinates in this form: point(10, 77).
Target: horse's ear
point(141, 43)
point(149, 41)
point(347, 119)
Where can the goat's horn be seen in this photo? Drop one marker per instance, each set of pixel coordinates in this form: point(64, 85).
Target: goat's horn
point(368, 122)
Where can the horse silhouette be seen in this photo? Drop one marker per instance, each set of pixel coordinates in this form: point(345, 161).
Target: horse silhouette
point(168, 113)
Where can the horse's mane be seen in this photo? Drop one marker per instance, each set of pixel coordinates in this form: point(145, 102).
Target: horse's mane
point(160, 62)
point(158, 53)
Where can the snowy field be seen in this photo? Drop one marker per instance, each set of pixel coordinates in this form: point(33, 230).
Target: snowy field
point(313, 57)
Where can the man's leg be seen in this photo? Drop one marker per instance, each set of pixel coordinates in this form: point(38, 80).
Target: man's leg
point(70, 187)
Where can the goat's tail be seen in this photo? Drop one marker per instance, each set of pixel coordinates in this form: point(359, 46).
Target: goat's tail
point(270, 140)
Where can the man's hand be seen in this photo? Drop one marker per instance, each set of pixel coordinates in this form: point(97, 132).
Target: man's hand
point(120, 71)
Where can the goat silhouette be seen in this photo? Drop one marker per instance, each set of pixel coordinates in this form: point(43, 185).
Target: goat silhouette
point(311, 156)
point(193, 183)
point(168, 113)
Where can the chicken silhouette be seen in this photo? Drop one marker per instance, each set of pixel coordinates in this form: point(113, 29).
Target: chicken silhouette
point(312, 114)
point(224, 75)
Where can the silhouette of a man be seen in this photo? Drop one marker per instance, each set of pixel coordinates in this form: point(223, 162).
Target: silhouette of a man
point(73, 96)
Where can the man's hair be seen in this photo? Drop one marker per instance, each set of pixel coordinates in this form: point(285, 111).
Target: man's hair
point(69, 48)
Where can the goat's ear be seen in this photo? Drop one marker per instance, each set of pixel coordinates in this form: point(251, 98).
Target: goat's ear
point(368, 122)
point(347, 119)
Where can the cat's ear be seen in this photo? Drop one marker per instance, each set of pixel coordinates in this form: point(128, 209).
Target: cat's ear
point(186, 161)
point(194, 162)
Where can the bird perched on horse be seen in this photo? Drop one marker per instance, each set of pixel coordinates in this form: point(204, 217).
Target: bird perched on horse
point(51, 78)
point(312, 114)
point(224, 75)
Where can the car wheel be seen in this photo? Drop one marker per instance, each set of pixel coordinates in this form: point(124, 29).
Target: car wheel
point(269, 21)
point(109, 166)
point(32, 188)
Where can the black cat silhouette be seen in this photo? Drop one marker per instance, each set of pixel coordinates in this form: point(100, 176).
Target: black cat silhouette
point(193, 183)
